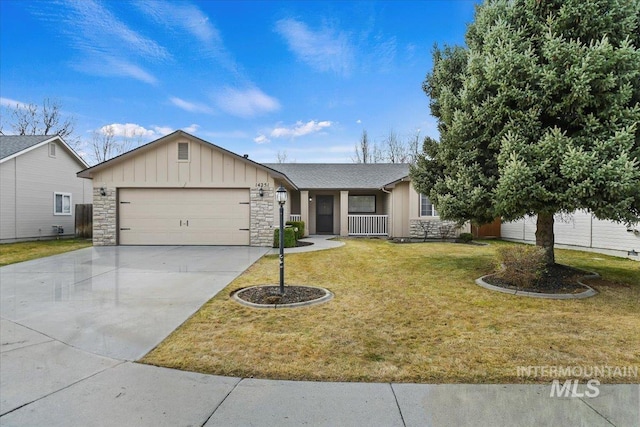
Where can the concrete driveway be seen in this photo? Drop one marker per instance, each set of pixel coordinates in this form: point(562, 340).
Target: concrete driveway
point(118, 301)
point(70, 316)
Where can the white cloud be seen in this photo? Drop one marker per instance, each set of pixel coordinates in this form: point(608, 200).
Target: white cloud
point(383, 53)
point(162, 130)
point(192, 128)
point(108, 66)
point(261, 139)
point(128, 130)
point(300, 129)
point(101, 30)
point(102, 39)
point(185, 18)
point(133, 130)
point(358, 121)
point(246, 103)
point(323, 50)
point(182, 15)
point(192, 107)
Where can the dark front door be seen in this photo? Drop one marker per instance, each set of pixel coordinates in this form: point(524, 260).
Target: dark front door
point(324, 214)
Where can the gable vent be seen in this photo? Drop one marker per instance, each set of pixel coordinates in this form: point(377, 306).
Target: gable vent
point(52, 150)
point(183, 151)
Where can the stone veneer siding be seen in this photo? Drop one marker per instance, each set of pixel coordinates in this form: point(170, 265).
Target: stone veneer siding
point(104, 218)
point(417, 232)
point(261, 223)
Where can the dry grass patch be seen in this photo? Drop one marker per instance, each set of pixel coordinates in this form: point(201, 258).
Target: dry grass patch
point(410, 313)
point(11, 253)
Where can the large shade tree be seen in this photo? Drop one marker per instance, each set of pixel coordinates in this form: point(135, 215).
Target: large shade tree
point(538, 114)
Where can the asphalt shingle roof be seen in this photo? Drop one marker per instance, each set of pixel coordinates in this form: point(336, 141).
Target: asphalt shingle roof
point(12, 144)
point(330, 176)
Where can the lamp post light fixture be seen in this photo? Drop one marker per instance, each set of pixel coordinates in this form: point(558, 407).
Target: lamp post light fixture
point(281, 198)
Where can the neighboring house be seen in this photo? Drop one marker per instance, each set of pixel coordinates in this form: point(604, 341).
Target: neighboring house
point(581, 230)
point(39, 187)
point(182, 190)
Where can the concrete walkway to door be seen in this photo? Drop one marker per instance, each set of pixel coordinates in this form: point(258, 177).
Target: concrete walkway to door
point(71, 324)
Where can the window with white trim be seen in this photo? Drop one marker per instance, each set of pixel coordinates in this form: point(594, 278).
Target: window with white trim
point(426, 207)
point(62, 203)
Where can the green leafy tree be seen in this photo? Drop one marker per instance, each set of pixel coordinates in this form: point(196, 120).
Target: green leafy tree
point(539, 114)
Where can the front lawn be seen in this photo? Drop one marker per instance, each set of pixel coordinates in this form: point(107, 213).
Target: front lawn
point(411, 313)
point(11, 253)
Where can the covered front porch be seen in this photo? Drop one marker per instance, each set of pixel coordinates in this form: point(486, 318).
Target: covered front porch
point(344, 212)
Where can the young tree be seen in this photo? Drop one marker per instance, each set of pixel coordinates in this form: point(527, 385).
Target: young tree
point(414, 146)
point(396, 150)
point(363, 150)
point(281, 157)
point(539, 114)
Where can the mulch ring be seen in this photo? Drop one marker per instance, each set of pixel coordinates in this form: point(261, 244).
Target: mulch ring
point(270, 295)
point(558, 279)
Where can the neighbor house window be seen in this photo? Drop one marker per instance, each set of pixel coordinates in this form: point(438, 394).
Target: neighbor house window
point(61, 204)
point(362, 204)
point(426, 207)
point(52, 150)
point(183, 151)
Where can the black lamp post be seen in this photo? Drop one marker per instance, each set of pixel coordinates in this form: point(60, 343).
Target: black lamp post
point(281, 197)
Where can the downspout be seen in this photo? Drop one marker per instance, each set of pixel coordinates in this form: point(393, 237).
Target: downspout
point(392, 215)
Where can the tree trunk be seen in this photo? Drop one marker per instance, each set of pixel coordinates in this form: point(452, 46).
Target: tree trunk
point(545, 237)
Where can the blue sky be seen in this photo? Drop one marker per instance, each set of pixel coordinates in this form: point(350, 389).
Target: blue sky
point(297, 77)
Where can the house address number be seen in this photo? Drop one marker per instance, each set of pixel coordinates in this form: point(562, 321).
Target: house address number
point(262, 184)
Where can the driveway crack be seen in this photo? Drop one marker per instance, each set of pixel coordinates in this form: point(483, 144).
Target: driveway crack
point(222, 401)
point(398, 405)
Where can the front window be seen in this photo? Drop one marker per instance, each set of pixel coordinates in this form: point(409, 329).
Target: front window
point(426, 207)
point(362, 204)
point(61, 204)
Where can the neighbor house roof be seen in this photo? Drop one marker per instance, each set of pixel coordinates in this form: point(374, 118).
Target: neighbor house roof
point(14, 145)
point(332, 176)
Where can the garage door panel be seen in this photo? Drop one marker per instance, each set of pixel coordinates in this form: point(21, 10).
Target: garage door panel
point(184, 216)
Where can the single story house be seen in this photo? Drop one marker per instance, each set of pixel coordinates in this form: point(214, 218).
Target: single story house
point(39, 187)
point(182, 190)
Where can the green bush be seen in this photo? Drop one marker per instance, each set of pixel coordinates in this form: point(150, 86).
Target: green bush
point(521, 265)
point(299, 226)
point(465, 237)
point(289, 238)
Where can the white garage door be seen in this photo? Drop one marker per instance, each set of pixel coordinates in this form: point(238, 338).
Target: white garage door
point(180, 216)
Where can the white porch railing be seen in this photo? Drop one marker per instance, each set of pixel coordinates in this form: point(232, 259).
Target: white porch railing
point(368, 225)
point(294, 217)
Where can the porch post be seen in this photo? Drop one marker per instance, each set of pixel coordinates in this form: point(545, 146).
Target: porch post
point(344, 213)
point(304, 211)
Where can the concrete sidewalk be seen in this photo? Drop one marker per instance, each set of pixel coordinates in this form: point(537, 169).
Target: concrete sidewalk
point(64, 386)
point(72, 324)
